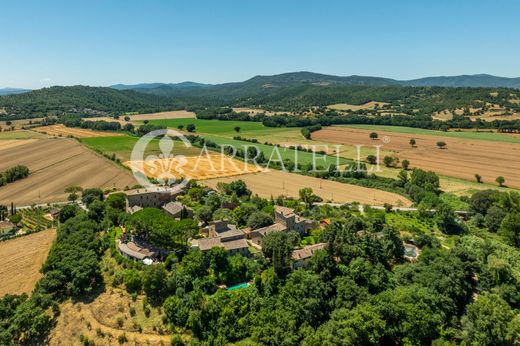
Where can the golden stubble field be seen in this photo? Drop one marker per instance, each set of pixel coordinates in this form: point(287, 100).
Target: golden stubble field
point(346, 106)
point(194, 167)
point(463, 158)
point(275, 183)
point(180, 114)
point(55, 164)
point(61, 130)
point(22, 259)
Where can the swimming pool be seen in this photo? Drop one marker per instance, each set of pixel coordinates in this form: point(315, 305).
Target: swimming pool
point(236, 287)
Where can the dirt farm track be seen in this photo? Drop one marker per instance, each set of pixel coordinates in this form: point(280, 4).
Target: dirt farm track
point(275, 183)
point(55, 164)
point(463, 158)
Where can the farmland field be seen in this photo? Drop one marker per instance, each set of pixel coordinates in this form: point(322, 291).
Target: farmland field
point(122, 146)
point(194, 167)
point(217, 126)
point(18, 124)
point(54, 165)
point(21, 134)
point(63, 131)
point(21, 261)
point(463, 157)
point(181, 114)
point(275, 183)
point(346, 106)
point(285, 152)
point(485, 136)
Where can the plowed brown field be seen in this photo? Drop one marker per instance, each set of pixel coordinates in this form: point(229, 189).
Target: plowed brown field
point(55, 164)
point(463, 158)
point(276, 183)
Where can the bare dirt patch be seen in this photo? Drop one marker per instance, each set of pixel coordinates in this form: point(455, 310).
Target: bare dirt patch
point(463, 158)
point(194, 167)
point(54, 165)
point(61, 130)
point(275, 183)
point(21, 261)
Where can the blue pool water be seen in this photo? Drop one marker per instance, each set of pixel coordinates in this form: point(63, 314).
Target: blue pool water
point(236, 287)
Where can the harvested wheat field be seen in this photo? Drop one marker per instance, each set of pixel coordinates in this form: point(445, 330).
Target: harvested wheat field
point(253, 111)
point(55, 164)
point(163, 115)
point(462, 158)
point(106, 319)
point(13, 143)
point(346, 106)
point(21, 261)
point(193, 167)
point(275, 183)
point(18, 124)
point(61, 130)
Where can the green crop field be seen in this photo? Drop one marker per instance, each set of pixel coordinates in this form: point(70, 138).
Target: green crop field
point(122, 146)
point(485, 136)
point(222, 127)
point(301, 157)
point(223, 131)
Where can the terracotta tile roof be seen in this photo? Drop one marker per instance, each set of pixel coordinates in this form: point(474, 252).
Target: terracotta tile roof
point(307, 251)
point(275, 227)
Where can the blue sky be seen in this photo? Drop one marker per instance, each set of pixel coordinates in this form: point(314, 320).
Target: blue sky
point(103, 42)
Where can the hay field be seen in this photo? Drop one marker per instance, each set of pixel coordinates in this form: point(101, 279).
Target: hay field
point(61, 130)
point(21, 261)
point(193, 167)
point(275, 183)
point(253, 111)
point(55, 164)
point(13, 143)
point(18, 124)
point(463, 157)
point(346, 106)
point(21, 134)
point(181, 114)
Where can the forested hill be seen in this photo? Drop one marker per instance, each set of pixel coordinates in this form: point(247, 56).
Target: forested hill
point(83, 100)
point(288, 92)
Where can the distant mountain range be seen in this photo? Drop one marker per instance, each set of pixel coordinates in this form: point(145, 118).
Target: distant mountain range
point(295, 79)
point(10, 91)
point(182, 85)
